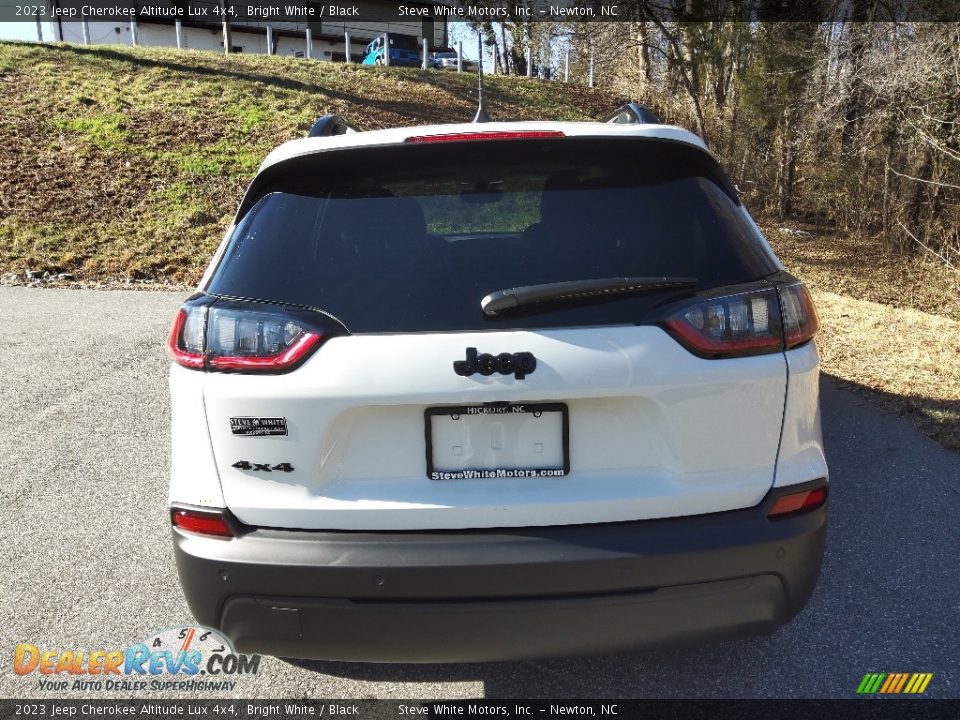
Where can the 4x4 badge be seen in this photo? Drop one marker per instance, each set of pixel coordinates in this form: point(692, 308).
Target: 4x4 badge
point(520, 364)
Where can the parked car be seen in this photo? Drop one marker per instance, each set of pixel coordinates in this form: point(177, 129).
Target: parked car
point(448, 61)
point(493, 391)
point(404, 50)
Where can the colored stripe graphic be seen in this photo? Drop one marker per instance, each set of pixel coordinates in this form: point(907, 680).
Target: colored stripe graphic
point(870, 683)
point(891, 682)
point(894, 683)
point(919, 683)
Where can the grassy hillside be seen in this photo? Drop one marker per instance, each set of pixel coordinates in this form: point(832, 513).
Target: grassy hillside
point(128, 162)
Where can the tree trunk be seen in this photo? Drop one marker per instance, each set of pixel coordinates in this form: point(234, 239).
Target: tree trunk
point(856, 96)
point(916, 203)
point(643, 56)
point(504, 50)
point(787, 166)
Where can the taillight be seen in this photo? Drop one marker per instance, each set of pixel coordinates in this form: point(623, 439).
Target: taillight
point(233, 336)
point(201, 522)
point(800, 321)
point(487, 135)
point(186, 338)
point(749, 323)
point(798, 502)
point(730, 326)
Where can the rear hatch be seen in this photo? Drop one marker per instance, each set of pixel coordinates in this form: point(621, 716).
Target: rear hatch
point(418, 410)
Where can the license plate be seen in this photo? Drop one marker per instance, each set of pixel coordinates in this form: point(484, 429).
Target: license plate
point(497, 441)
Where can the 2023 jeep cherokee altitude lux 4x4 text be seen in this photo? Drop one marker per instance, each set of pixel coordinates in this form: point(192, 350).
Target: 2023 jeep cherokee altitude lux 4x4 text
point(478, 392)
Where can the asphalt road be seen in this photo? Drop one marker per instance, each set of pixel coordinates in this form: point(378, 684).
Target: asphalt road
point(87, 562)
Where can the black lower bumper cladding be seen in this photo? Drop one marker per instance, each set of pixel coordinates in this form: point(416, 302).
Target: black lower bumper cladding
point(504, 594)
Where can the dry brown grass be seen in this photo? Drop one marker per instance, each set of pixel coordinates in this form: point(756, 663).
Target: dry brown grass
point(858, 266)
point(907, 359)
point(890, 326)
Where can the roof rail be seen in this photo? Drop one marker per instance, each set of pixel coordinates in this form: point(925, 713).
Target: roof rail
point(633, 114)
point(328, 125)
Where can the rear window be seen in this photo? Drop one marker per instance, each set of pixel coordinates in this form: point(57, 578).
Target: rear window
point(411, 238)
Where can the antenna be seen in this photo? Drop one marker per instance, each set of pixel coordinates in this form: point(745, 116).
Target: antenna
point(481, 116)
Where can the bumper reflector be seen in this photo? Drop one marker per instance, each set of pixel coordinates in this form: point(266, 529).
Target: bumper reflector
point(798, 502)
point(200, 522)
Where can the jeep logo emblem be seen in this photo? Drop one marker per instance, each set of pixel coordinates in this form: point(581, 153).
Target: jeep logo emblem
point(520, 364)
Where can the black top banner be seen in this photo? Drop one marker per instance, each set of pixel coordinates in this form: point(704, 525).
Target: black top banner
point(565, 11)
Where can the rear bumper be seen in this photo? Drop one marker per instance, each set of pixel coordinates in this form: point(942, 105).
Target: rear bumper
point(462, 596)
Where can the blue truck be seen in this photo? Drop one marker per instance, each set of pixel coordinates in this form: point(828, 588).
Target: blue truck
point(404, 50)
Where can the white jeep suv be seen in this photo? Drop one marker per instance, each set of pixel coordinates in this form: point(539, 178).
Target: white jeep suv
point(494, 391)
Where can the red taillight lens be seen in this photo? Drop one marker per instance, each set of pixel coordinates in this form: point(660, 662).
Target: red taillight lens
point(186, 338)
point(280, 360)
point(800, 321)
point(488, 135)
point(201, 522)
point(745, 324)
point(750, 323)
point(241, 337)
point(798, 502)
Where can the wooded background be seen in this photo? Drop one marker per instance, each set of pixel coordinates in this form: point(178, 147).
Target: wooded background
point(850, 123)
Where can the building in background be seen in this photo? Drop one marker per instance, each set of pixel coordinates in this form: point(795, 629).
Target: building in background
point(250, 35)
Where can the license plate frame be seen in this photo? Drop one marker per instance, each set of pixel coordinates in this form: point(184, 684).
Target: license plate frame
point(434, 473)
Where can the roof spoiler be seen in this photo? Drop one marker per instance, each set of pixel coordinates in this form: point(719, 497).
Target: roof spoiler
point(329, 125)
point(633, 114)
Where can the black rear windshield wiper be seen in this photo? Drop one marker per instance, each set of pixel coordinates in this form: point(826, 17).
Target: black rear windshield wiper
point(573, 290)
